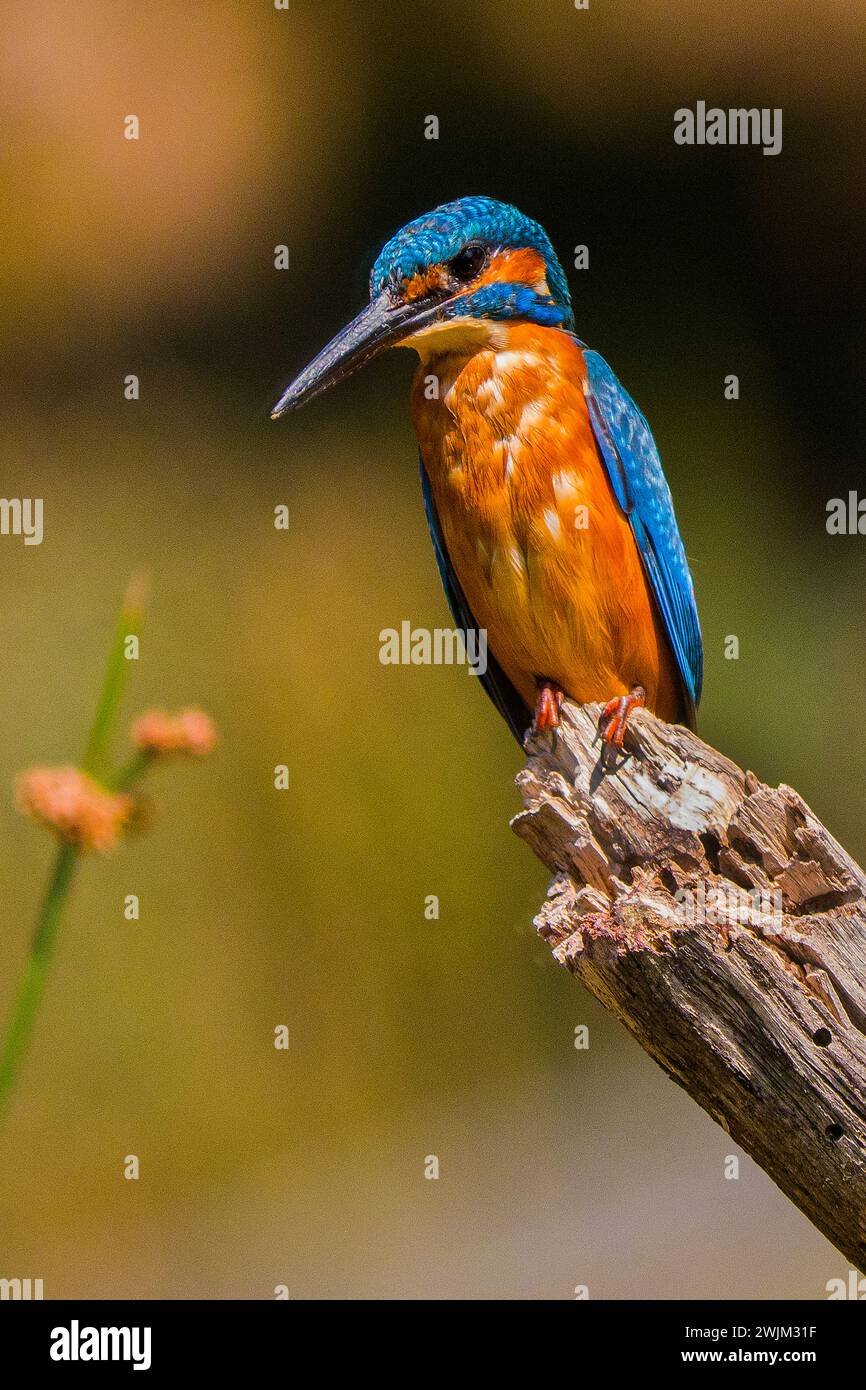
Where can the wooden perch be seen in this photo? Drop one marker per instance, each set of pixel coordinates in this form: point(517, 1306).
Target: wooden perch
point(726, 928)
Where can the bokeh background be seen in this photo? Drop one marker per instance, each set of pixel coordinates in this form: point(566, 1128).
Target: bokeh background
point(306, 907)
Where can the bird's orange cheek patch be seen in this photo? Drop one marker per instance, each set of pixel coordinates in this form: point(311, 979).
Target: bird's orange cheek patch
point(433, 278)
point(523, 267)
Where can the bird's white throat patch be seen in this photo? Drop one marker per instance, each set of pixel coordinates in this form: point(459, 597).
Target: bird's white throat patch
point(463, 336)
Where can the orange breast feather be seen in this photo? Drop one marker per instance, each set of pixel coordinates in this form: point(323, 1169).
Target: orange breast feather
point(541, 548)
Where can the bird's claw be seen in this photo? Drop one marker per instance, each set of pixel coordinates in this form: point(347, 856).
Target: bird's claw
point(548, 704)
point(614, 716)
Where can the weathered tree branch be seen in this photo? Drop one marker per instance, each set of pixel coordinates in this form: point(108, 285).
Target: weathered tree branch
point(726, 928)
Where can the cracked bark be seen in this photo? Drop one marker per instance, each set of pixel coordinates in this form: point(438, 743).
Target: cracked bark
point(726, 928)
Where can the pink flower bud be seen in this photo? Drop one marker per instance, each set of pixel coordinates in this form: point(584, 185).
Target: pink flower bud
point(74, 806)
point(191, 731)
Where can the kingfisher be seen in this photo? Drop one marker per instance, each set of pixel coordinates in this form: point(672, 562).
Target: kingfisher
point(550, 515)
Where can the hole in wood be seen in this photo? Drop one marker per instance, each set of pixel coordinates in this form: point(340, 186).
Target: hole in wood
point(711, 846)
point(746, 850)
point(834, 1133)
point(669, 879)
point(823, 1037)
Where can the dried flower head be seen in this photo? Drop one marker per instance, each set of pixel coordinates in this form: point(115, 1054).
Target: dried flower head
point(191, 731)
point(74, 806)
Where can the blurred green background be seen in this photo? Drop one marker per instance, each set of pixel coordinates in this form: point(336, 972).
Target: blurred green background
point(306, 907)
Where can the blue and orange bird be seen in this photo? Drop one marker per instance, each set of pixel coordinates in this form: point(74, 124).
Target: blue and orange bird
point(550, 515)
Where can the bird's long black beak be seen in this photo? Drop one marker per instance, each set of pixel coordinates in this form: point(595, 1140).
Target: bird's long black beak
point(382, 324)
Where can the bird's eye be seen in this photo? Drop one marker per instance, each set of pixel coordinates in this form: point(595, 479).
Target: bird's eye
point(467, 263)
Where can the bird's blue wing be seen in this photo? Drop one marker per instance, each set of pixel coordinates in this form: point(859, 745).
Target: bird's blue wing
point(510, 704)
point(637, 478)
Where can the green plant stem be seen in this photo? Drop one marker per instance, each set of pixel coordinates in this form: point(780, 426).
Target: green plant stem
point(33, 980)
point(32, 984)
point(131, 770)
point(116, 672)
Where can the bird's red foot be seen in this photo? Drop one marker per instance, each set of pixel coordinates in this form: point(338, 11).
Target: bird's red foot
point(548, 703)
point(614, 716)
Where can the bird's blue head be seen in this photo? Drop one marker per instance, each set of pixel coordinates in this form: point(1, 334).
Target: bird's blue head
point(461, 269)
